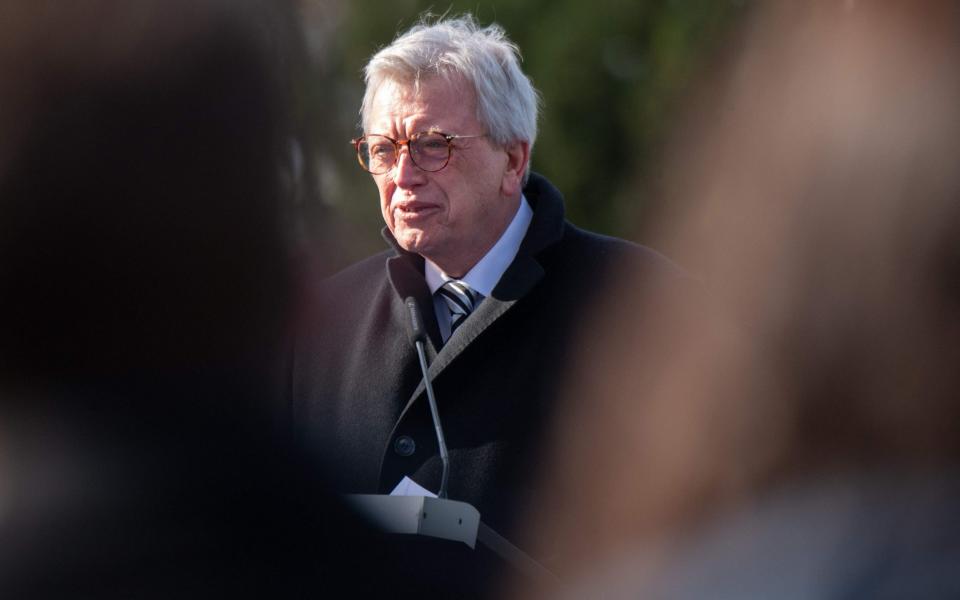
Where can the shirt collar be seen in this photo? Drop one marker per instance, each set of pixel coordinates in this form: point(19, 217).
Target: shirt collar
point(484, 275)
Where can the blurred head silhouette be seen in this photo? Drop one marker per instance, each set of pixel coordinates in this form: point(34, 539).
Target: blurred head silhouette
point(816, 194)
point(138, 176)
point(144, 290)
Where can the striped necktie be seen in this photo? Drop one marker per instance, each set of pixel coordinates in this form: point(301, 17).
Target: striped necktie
point(460, 299)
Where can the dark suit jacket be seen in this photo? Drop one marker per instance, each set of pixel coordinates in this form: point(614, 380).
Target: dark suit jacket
point(357, 387)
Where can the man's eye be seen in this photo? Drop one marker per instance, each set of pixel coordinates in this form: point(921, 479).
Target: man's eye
point(381, 150)
point(433, 145)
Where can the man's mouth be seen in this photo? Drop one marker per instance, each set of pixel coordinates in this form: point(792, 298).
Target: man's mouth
point(414, 207)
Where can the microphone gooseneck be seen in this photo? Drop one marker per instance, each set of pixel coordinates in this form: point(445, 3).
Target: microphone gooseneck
point(418, 337)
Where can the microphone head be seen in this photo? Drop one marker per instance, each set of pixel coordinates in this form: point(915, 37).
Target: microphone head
point(417, 331)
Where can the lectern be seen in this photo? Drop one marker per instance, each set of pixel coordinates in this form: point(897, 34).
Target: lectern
point(445, 519)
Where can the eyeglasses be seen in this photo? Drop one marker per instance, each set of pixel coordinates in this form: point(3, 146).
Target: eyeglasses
point(429, 150)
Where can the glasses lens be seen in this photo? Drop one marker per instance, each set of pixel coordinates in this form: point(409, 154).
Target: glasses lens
point(430, 151)
point(377, 153)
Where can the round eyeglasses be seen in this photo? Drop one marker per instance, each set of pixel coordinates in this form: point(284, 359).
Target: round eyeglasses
point(429, 150)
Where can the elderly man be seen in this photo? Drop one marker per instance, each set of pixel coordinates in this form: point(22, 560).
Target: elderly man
point(449, 120)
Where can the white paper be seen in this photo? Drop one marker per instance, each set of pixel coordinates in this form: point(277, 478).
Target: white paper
point(409, 487)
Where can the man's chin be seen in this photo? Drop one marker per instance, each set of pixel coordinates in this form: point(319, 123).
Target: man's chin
point(413, 241)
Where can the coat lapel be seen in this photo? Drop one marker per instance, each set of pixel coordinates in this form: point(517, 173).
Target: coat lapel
point(522, 275)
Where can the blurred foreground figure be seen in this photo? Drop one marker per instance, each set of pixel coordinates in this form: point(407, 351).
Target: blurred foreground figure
point(143, 294)
point(796, 436)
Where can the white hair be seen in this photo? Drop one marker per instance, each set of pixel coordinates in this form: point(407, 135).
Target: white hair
point(507, 103)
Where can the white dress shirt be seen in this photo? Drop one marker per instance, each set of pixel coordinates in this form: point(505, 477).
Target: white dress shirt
point(484, 275)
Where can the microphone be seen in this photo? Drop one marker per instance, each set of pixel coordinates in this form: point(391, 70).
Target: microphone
point(416, 332)
point(417, 337)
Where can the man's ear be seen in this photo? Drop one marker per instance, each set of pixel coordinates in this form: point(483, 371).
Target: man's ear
point(518, 156)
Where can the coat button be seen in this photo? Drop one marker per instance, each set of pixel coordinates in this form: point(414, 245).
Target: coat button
point(404, 445)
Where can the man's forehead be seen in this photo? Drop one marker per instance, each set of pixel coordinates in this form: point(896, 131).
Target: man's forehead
point(415, 90)
point(436, 97)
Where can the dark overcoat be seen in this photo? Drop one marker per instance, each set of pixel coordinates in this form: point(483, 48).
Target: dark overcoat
point(358, 399)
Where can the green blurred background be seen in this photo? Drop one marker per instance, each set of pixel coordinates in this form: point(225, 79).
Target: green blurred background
point(612, 74)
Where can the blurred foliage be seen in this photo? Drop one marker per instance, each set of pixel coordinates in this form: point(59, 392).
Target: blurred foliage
point(611, 74)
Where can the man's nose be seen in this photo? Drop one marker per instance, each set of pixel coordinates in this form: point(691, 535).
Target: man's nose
point(406, 173)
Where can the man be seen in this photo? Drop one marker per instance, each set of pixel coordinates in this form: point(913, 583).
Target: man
point(481, 244)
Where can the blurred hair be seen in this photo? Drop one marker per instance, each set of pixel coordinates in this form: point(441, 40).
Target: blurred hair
point(507, 103)
point(144, 298)
point(139, 189)
point(816, 192)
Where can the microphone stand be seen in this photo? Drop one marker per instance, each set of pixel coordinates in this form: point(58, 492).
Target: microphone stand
point(418, 335)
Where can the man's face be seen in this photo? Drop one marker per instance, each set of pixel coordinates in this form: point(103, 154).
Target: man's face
point(455, 215)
